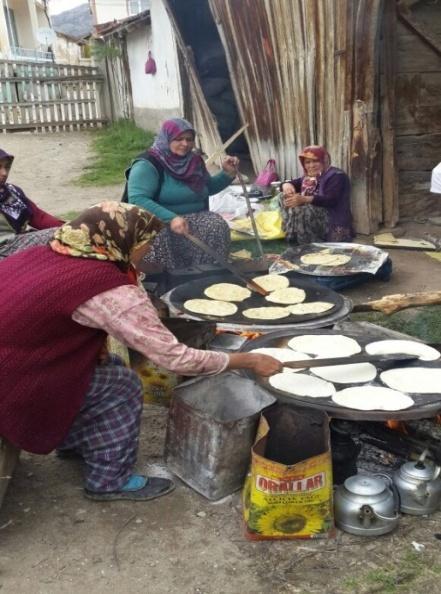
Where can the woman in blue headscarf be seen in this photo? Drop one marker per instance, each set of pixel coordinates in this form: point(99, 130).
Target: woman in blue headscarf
point(170, 180)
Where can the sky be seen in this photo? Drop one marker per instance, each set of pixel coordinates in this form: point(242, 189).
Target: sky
point(56, 6)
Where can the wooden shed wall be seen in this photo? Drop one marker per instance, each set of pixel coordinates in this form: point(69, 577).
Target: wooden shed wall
point(418, 111)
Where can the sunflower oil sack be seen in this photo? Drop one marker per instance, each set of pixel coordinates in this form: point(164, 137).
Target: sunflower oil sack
point(288, 492)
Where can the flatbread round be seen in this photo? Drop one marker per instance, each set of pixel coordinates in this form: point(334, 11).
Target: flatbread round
point(404, 347)
point(300, 309)
point(227, 292)
point(325, 345)
point(283, 355)
point(355, 373)
point(287, 296)
point(416, 380)
point(372, 398)
point(300, 384)
point(322, 259)
point(272, 282)
point(266, 313)
point(210, 307)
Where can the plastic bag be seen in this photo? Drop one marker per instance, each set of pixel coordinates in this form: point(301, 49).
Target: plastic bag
point(288, 493)
point(267, 175)
point(150, 65)
point(268, 222)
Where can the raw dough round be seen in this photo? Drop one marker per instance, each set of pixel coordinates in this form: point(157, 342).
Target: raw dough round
point(300, 384)
point(283, 355)
point(325, 345)
point(417, 380)
point(227, 292)
point(266, 313)
point(287, 296)
point(372, 398)
point(404, 347)
point(272, 282)
point(301, 309)
point(210, 307)
point(356, 373)
point(321, 259)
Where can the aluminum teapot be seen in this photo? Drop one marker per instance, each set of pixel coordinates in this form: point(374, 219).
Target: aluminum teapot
point(419, 486)
point(366, 505)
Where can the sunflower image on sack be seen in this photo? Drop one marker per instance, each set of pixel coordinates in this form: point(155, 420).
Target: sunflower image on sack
point(288, 492)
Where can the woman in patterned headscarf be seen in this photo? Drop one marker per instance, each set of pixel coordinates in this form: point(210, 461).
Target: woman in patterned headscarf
point(316, 206)
point(17, 213)
point(55, 392)
point(171, 181)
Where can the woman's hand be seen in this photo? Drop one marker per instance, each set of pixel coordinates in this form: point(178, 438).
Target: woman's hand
point(293, 201)
point(260, 364)
point(230, 165)
point(179, 225)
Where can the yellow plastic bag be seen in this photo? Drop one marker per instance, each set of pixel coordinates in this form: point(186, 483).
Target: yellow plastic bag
point(288, 492)
point(268, 222)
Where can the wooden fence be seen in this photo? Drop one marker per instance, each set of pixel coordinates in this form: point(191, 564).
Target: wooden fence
point(49, 97)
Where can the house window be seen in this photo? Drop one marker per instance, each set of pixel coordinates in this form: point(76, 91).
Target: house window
point(137, 6)
point(11, 27)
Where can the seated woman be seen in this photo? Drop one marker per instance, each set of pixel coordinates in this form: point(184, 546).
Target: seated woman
point(57, 390)
point(316, 206)
point(17, 212)
point(171, 181)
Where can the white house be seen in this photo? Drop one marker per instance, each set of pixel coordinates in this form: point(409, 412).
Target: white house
point(105, 12)
point(25, 30)
point(153, 97)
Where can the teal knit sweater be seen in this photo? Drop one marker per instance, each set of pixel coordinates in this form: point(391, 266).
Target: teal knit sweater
point(175, 198)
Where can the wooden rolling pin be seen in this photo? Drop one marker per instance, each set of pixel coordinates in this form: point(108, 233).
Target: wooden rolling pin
point(393, 303)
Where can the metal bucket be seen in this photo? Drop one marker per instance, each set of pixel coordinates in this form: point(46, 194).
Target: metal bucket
point(211, 428)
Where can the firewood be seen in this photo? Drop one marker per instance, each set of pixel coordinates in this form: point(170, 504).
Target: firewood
point(393, 303)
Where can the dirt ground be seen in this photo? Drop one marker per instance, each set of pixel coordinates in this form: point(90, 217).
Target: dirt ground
point(54, 541)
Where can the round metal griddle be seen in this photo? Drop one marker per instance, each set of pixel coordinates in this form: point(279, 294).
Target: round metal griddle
point(426, 405)
point(314, 292)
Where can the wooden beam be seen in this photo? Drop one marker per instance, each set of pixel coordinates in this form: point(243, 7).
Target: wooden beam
point(8, 460)
point(390, 168)
point(407, 18)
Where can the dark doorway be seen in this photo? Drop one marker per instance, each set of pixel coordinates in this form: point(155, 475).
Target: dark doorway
point(200, 33)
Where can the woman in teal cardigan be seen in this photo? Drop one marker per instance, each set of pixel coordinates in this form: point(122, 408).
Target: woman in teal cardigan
point(171, 181)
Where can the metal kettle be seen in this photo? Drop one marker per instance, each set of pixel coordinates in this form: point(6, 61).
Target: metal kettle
point(366, 505)
point(419, 486)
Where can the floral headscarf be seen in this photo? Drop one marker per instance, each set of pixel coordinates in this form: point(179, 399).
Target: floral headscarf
point(108, 231)
point(190, 168)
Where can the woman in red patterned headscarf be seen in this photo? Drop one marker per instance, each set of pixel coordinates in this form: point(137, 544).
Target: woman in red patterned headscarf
point(316, 206)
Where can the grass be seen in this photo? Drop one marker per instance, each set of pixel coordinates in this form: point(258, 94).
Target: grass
point(114, 148)
point(276, 246)
point(402, 576)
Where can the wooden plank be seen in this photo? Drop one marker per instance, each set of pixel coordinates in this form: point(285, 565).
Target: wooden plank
point(388, 105)
point(418, 152)
point(416, 201)
point(420, 29)
point(8, 460)
point(43, 125)
point(418, 103)
point(413, 55)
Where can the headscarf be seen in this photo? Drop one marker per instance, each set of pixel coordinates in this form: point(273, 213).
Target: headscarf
point(310, 184)
point(190, 168)
point(108, 231)
point(13, 204)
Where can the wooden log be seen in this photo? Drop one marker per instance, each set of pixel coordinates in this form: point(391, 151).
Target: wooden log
point(393, 303)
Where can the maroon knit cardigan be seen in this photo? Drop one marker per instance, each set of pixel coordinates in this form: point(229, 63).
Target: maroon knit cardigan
point(46, 359)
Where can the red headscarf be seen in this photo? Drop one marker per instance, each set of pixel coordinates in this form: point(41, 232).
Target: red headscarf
point(315, 152)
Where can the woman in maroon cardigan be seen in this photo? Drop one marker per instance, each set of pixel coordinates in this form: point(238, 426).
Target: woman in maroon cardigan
point(316, 206)
point(17, 213)
point(58, 303)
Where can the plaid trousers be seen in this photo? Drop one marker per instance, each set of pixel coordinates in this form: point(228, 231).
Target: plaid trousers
point(106, 430)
